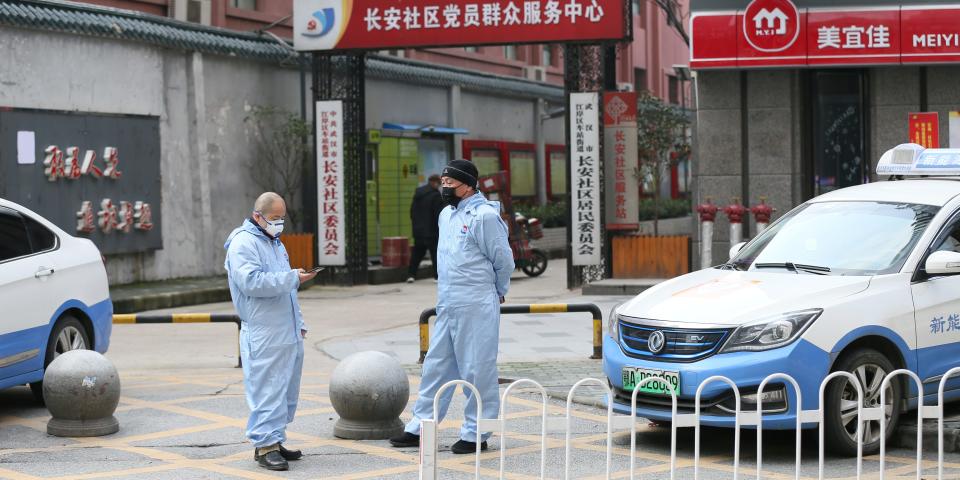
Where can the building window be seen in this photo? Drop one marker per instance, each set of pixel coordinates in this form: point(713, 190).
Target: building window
point(510, 52)
point(487, 161)
point(523, 182)
point(673, 90)
point(244, 4)
point(558, 173)
point(470, 49)
point(639, 80)
point(636, 7)
point(546, 56)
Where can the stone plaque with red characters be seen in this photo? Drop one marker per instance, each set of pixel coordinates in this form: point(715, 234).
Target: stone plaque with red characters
point(94, 175)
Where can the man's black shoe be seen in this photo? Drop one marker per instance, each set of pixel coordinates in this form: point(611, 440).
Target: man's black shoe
point(287, 454)
point(273, 461)
point(407, 439)
point(463, 447)
point(290, 454)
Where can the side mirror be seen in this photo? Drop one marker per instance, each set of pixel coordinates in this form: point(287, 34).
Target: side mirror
point(943, 263)
point(734, 250)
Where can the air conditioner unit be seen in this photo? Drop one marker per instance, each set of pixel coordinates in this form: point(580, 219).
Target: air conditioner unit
point(537, 74)
point(625, 87)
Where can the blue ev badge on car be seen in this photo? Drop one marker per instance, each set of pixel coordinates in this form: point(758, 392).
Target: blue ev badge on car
point(656, 342)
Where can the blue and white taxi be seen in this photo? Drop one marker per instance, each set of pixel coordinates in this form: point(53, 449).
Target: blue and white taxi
point(865, 279)
point(54, 294)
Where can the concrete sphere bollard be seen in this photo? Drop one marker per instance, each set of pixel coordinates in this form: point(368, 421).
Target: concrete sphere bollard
point(81, 389)
point(369, 390)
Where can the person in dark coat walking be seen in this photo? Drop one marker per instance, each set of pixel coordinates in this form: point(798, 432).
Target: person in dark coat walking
point(425, 213)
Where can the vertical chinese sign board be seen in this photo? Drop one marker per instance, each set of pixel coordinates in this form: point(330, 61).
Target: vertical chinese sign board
point(622, 209)
point(331, 243)
point(94, 175)
point(585, 178)
point(925, 129)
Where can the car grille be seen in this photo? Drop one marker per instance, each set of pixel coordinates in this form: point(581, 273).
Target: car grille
point(681, 345)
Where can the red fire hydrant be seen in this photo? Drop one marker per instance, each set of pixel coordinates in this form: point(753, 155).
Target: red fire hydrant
point(762, 213)
point(735, 212)
point(708, 213)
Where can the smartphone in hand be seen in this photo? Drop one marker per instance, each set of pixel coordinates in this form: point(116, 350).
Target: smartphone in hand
point(316, 269)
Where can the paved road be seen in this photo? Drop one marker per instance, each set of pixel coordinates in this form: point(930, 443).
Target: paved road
point(182, 411)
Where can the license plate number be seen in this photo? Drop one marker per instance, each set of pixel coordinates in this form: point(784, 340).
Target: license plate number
point(666, 380)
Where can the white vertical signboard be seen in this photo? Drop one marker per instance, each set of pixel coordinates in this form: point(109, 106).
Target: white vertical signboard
point(331, 242)
point(585, 177)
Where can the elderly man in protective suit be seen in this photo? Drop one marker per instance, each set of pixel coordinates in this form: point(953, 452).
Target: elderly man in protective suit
point(475, 263)
point(264, 292)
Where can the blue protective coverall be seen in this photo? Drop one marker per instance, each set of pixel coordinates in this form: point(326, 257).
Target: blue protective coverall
point(264, 291)
point(475, 263)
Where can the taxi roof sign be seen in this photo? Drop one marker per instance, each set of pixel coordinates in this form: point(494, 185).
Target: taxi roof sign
point(913, 159)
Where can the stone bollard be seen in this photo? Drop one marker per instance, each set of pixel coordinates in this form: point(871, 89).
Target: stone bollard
point(81, 389)
point(369, 390)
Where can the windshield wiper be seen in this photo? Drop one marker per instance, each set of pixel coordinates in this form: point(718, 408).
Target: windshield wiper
point(796, 267)
point(731, 266)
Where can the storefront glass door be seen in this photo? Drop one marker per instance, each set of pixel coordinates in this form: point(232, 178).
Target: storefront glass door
point(839, 133)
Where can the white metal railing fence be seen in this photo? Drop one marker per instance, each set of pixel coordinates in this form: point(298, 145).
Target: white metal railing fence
point(550, 424)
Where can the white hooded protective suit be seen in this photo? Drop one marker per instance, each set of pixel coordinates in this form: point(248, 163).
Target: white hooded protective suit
point(474, 263)
point(264, 292)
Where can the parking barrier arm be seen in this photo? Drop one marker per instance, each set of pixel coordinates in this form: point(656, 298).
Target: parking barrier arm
point(535, 308)
point(130, 319)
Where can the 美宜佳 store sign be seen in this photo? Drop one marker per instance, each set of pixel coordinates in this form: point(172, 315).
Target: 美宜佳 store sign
point(386, 24)
point(771, 33)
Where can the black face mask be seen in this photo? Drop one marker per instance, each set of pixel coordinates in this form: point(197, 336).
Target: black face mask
point(449, 196)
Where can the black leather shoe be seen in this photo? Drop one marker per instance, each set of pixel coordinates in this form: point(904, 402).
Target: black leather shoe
point(463, 447)
point(405, 440)
point(290, 454)
point(273, 461)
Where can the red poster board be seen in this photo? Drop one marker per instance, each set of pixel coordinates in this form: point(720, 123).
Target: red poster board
point(925, 129)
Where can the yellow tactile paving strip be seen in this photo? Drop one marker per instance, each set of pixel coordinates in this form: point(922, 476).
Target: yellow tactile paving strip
point(402, 463)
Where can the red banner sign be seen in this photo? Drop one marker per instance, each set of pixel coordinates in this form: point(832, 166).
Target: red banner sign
point(386, 24)
point(620, 160)
point(925, 129)
point(776, 33)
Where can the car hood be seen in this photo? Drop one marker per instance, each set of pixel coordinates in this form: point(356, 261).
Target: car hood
point(725, 297)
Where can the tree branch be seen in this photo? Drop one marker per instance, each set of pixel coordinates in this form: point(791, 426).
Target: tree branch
point(675, 18)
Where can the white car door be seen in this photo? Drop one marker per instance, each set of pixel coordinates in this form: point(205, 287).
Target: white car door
point(936, 302)
point(26, 294)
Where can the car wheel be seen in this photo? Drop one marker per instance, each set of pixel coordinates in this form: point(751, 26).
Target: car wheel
point(840, 421)
point(67, 334)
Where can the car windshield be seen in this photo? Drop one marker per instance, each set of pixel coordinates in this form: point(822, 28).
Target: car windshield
point(838, 238)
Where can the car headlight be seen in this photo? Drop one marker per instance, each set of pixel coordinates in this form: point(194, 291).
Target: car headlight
point(613, 324)
point(771, 332)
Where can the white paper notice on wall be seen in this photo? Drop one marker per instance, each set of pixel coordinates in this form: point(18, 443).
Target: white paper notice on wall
point(26, 148)
point(954, 129)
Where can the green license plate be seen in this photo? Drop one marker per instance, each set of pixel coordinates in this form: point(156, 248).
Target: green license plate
point(666, 380)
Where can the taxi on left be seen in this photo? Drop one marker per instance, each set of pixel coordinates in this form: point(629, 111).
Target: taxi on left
point(54, 293)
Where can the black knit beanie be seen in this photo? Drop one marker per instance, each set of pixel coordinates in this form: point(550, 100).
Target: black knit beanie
point(462, 170)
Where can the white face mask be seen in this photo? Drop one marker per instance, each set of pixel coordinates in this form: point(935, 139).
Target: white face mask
point(274, 228)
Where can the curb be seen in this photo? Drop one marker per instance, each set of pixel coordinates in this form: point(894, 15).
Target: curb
point(139, 303)
point(176, 298)
point(907, 436)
